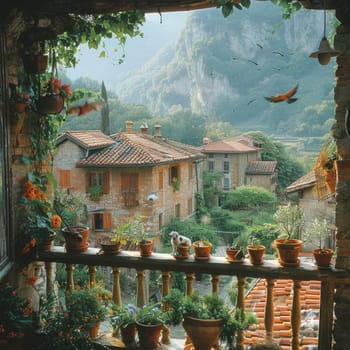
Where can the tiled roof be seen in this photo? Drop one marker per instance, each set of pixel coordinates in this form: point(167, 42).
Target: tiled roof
point(283, 299)
point(87, 139)
point(261, 167)
point(131, 149)
point(306, 181)
point(228, 146)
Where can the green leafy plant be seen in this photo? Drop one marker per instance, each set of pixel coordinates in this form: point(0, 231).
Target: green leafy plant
point(290, 221)
point(151, 314)
point(123, 316)
point(15, 315)
point(318, 232)
point(95, 192)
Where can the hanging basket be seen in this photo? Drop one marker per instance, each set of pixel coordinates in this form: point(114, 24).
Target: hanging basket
point(52, 104)
point(35, 64)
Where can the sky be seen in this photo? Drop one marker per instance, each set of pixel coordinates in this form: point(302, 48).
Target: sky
point(159, 31)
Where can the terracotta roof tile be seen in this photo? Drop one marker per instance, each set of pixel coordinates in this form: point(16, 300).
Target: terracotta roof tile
point(261, 167)
point(229, 146)
point(306, 181)
point(131, 149)
point(87, 139)
point(283, 298)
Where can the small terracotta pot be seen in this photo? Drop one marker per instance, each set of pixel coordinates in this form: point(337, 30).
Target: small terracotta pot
point(183, 251)
point(202, 250)
point(76, 238)
point(146, 248)
point(48, 243)
point(323, 256)
point(231, 253)
point(110, 247)
point(288, 251)
point(128, 333)
point(256, 254)
point(51, 104)
point(93, 331)
point(149, 335)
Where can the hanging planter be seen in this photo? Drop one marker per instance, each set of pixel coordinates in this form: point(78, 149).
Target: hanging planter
point(35, 64)
point(51, 104)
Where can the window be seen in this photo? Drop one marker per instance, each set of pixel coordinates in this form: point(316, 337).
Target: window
point(174, 174)
point(225, 155)
point(177, 211)
point(64, 178)
point(98, 179)
point(210, 155)
point(101, 221)
point(129, 189)
point(226, 166)
point(226, 182)
point(210, 165)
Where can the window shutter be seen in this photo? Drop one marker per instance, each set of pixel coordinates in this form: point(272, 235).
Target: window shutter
point(105, 185)
point(64, 178)
point(107, 221)
point(125, 182)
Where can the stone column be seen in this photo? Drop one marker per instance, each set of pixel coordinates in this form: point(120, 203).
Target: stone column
point(342, 221)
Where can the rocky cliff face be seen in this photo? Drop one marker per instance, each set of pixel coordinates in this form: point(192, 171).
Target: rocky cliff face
point(223, 67)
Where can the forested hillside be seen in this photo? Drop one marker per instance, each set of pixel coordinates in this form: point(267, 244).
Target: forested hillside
point(222, 68)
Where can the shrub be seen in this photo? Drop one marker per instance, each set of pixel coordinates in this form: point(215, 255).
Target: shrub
point(247, 197)
point(266, 234)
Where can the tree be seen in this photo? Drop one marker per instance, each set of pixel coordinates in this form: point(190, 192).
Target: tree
point(105, 122)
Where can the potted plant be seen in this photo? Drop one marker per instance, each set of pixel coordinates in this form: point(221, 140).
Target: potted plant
point(89, 307)
point(38, 219)
point(234, 253)
point(206, 319)
point(319, 230)
point(182, 251)
point(290, 222)
point(149, 323)
point(139, 235)
point(202, 249)
point(113, 242)
point(256, 252)
point(123, 321)
point(15, 318)
point(72, 210)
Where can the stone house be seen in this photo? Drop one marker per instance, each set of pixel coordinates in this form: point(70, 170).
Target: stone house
point(134, 174)
point(315, 201)
point(239, 161)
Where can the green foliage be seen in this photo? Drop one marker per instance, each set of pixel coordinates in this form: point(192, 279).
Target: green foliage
point(92, 29)
point(105, 122)
point(200, 206)
point(227, 6)
point(266, 234)
point(123, 316)
point(288, 7)
point(190, 228)
point(151, 314)
point(246, 197)
point(225, 220)
point(95, 192)
point(290, 221)
point(211, 188)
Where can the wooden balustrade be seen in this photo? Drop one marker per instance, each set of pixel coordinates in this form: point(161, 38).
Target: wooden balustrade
point(215, 267)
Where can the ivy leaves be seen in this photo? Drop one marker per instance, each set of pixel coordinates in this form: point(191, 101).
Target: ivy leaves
point(227, 6)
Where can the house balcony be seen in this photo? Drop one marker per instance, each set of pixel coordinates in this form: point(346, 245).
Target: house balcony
point(217, 266)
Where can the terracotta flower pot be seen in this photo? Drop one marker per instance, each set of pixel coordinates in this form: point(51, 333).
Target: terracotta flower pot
point(47, 243)
point(256, 254)
point(93, 331)
point(203, 333)
point(323, 257)
point(146, 247)
point(288, 251)
point(183, 251)
point(202, 250)
point(51, 104)
point(128, 333)
point(149, 335)
point(76, 238)
point(110, 247)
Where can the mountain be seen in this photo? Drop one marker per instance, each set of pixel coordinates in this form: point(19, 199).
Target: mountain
point(224, 68)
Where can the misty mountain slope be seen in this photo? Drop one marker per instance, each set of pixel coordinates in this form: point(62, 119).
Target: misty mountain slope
point(224, 67)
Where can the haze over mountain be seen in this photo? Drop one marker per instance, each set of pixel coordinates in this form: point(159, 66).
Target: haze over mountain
point(224, 67)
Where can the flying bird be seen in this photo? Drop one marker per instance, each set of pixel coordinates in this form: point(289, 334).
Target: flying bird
point(284, 97)
point(87, 107)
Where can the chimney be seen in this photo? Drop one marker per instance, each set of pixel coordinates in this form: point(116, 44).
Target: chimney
point(157, 130)
point(144, 129)
point(129, 127)
point(206, 140)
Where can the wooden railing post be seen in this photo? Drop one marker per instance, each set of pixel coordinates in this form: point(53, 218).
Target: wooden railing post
point(140, 289)
point(189, 282)
point(240, 305)
point(70, 278)
point(49, 267)
point(116, 287)
point(92, 275)
point(165, 307)
point(269, 309)
point(295, 316)
point(326, 315)
point(215, 279)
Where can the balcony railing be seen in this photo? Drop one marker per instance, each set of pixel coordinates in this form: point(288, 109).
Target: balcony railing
point(216, 266)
